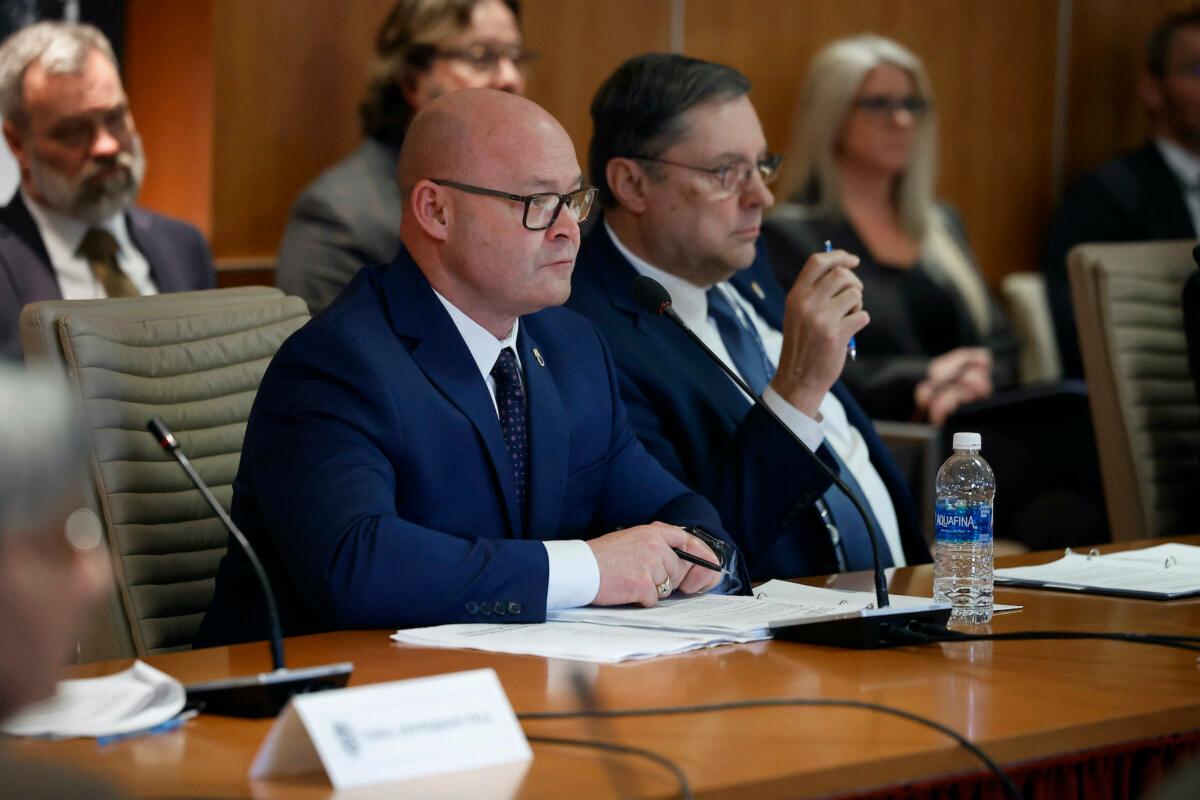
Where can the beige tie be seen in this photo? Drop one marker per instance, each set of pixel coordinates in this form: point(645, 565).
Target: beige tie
point(100, 249)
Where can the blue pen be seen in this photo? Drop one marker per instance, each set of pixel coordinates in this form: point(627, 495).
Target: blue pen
point(163, 727)
point(851, 346)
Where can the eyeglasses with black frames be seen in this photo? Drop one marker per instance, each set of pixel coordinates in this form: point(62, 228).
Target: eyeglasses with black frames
point(542, 208)
point(882, 105)
point(486, 58)
point(732, 177)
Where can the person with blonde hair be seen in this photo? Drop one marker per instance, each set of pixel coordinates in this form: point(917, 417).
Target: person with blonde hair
point(938, 349)
point(860, 174)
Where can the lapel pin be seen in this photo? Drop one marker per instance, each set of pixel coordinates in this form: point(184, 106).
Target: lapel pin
point(758, 290)
point(538, 355)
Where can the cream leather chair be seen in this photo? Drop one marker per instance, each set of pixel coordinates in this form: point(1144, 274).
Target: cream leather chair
point(1024, 296)
point(1144, 407)
point(195, 359)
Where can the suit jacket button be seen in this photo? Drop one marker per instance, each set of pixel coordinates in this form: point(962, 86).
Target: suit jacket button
point(471, 607)
point(499, 607)
point(485, 608)
point(514, 607)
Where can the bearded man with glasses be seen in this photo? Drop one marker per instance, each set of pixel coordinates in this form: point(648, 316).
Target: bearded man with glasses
point(347, 218)
point(441, 444)
point(682, 168)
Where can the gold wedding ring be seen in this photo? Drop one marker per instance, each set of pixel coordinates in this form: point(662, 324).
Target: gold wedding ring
point(663, 588)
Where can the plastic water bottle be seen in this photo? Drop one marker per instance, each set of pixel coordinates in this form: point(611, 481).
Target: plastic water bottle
point(962, 568)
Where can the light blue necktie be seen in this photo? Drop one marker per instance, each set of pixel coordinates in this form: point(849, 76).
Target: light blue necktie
point(742, 341)
point(853, 539)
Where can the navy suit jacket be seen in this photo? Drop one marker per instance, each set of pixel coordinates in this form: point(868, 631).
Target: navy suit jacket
point(700, 426)
point(376, 487)
point(179, 261)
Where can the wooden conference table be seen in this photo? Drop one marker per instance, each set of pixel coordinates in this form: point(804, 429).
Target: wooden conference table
point(1022, 702)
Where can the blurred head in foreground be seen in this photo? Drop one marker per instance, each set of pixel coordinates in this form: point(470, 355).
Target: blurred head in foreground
point(51, 561)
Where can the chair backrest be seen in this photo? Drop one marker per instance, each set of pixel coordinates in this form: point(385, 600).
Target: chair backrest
point(1128, 310)
point(1028, 307)
point(195, 359)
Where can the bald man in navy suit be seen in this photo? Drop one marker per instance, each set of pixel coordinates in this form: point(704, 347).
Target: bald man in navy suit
point(442, 444)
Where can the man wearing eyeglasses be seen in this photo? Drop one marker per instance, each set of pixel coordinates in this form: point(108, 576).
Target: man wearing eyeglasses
point(347, 218)
point(682, 168)
point(442, 445)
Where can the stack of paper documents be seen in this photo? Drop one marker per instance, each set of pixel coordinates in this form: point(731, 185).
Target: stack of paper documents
point(717, 614)
point(577, 641)
point(673, 626)
point(138, 698)
point(1163, 572)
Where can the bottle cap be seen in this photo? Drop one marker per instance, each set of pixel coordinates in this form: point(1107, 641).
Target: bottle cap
point(968, 441)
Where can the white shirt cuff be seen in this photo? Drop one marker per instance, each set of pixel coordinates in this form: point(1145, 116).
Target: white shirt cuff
point(574, 574)
point(799, 423)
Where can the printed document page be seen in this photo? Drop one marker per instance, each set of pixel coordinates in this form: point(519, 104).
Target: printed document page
point(715, 613)
point(786, 590)
point(570, 640)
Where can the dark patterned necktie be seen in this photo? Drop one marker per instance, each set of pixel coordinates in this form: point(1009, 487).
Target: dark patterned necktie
point(99, 247)
point(742, 341)
point(510, 402)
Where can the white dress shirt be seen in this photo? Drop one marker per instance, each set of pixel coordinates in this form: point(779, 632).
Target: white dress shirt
point(62, 236)
point(574, 578)
point(1186, 166)
point(691, 304)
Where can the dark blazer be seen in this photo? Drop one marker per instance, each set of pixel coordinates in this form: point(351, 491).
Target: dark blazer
point(916, 314)
point(348, 218)
point(376, 487)
point(1191, 325)
point(1133, 198)
point(179, 261)
point(693, 420)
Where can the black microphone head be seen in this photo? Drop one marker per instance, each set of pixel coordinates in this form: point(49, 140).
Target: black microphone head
point(650, 294)
point(1196, 254)
point(166, 439)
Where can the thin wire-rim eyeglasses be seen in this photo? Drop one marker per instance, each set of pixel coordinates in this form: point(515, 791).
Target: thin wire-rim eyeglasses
point(767, 167)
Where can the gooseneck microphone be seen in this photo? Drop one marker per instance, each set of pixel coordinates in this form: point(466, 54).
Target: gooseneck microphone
point(652, 296)
point(261, 695)
point(655, 299)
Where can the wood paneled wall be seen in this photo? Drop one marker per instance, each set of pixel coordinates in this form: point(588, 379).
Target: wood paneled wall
point(581, 43)
point(995, 111)
point(168, 74)
point(242, 103)
point(1108, 51)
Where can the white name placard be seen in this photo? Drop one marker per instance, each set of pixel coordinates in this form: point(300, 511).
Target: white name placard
point(395, 731)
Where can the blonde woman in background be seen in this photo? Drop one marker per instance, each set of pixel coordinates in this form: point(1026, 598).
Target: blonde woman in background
point(860, 173)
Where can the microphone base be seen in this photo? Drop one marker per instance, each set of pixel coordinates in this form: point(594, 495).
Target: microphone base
point(264, 694)
point(887, 628)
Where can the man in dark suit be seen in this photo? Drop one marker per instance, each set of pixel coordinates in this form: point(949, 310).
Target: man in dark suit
point(348, 218)
point(440, 445)
point(1150, 193)
point(681, 163)
point(71, 230)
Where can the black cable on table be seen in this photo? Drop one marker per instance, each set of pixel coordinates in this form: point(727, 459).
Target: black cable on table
point(769, 702)
point(685, 789)
point(928, 634)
